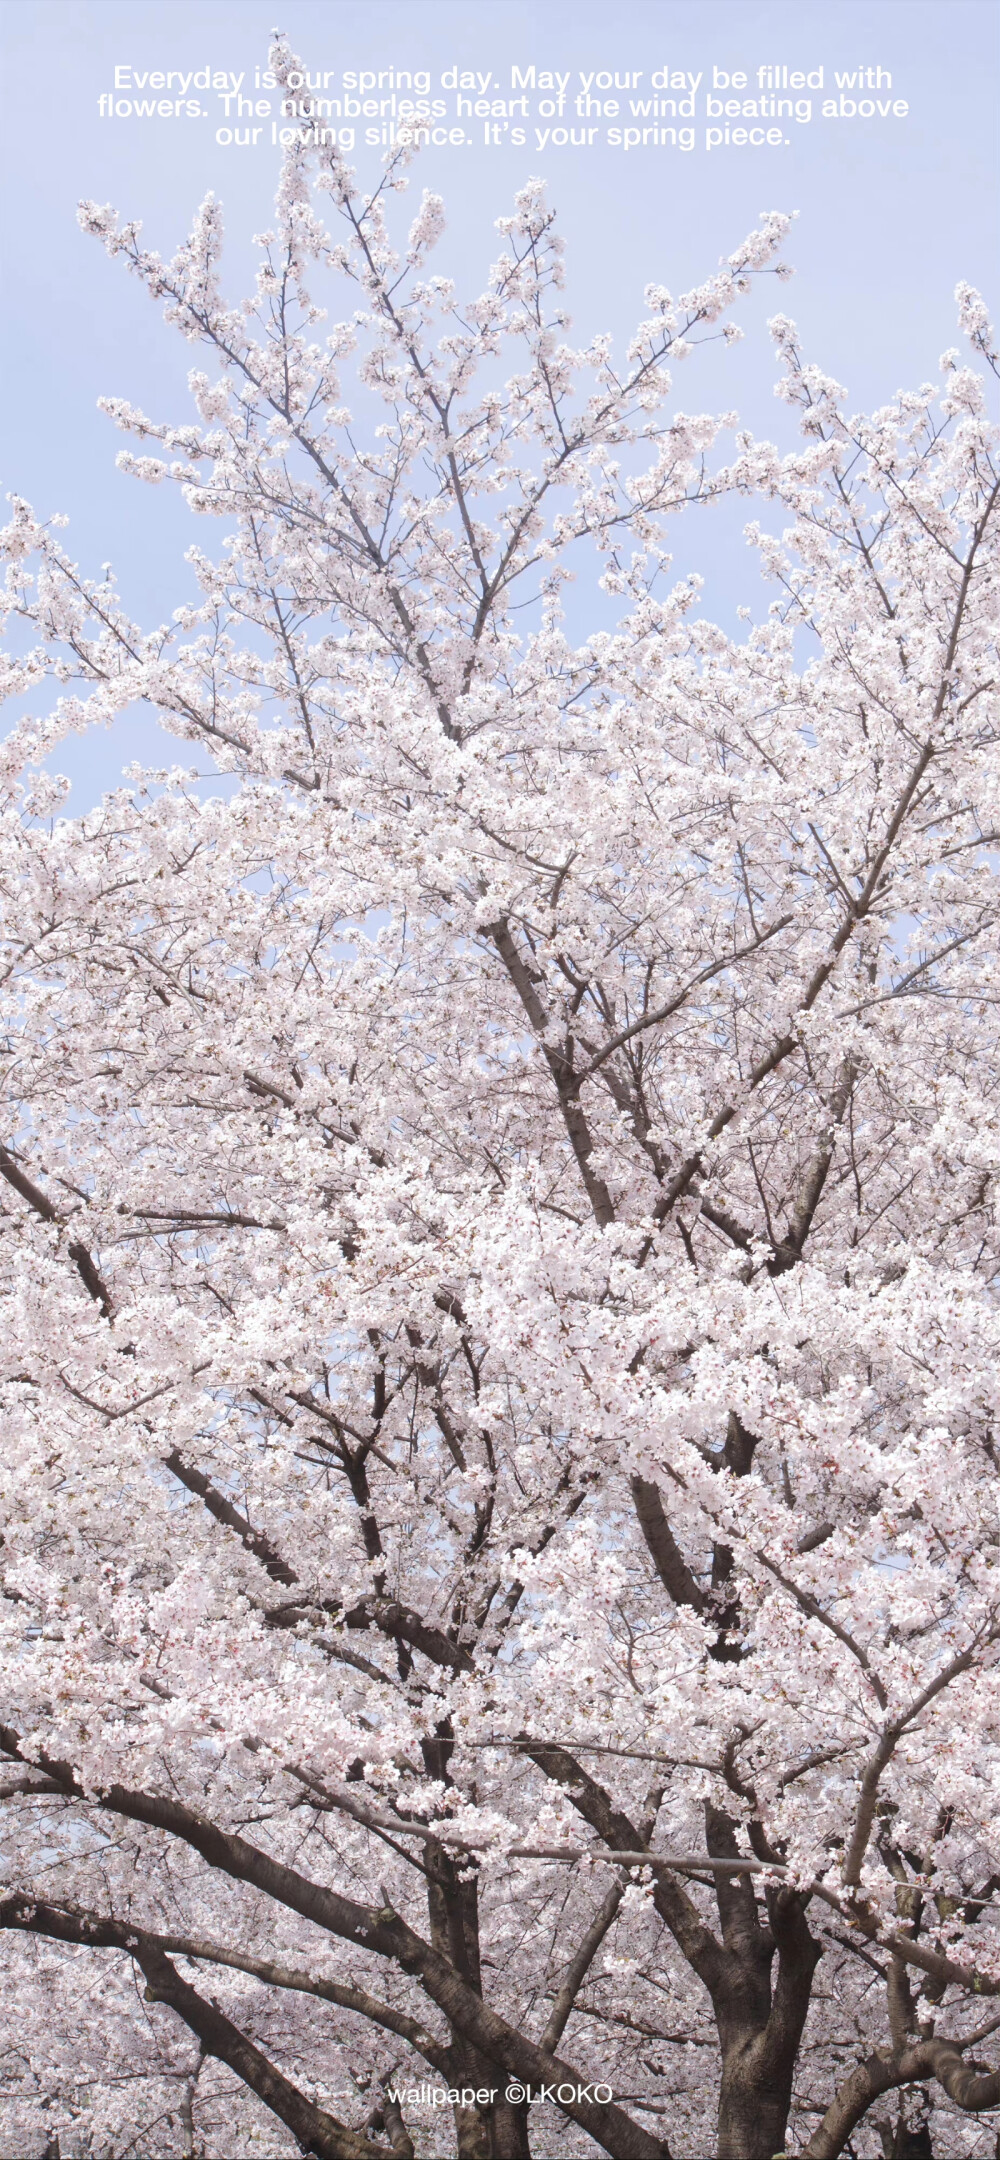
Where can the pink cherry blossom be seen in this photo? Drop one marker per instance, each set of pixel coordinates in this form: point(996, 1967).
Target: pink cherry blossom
point(500, 1348)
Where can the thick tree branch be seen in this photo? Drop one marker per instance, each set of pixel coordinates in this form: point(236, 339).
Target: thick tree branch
point(317, 2131)
point(380, 1930)
point(579, 1966)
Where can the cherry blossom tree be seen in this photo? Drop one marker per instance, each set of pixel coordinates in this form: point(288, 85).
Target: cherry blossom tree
point(500, 1368)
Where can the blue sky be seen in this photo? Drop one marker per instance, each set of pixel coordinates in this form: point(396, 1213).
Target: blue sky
point(890, 216)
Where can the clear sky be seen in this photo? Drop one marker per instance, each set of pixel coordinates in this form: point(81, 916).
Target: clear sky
point(891, 214)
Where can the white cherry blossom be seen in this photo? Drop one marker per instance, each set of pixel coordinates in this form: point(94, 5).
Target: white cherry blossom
point(500, 1353)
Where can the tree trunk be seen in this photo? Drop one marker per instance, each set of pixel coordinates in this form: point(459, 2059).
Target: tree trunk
point(492, 2130)
point(759, 2016)
point(753, 2111)
point(487, 2130)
